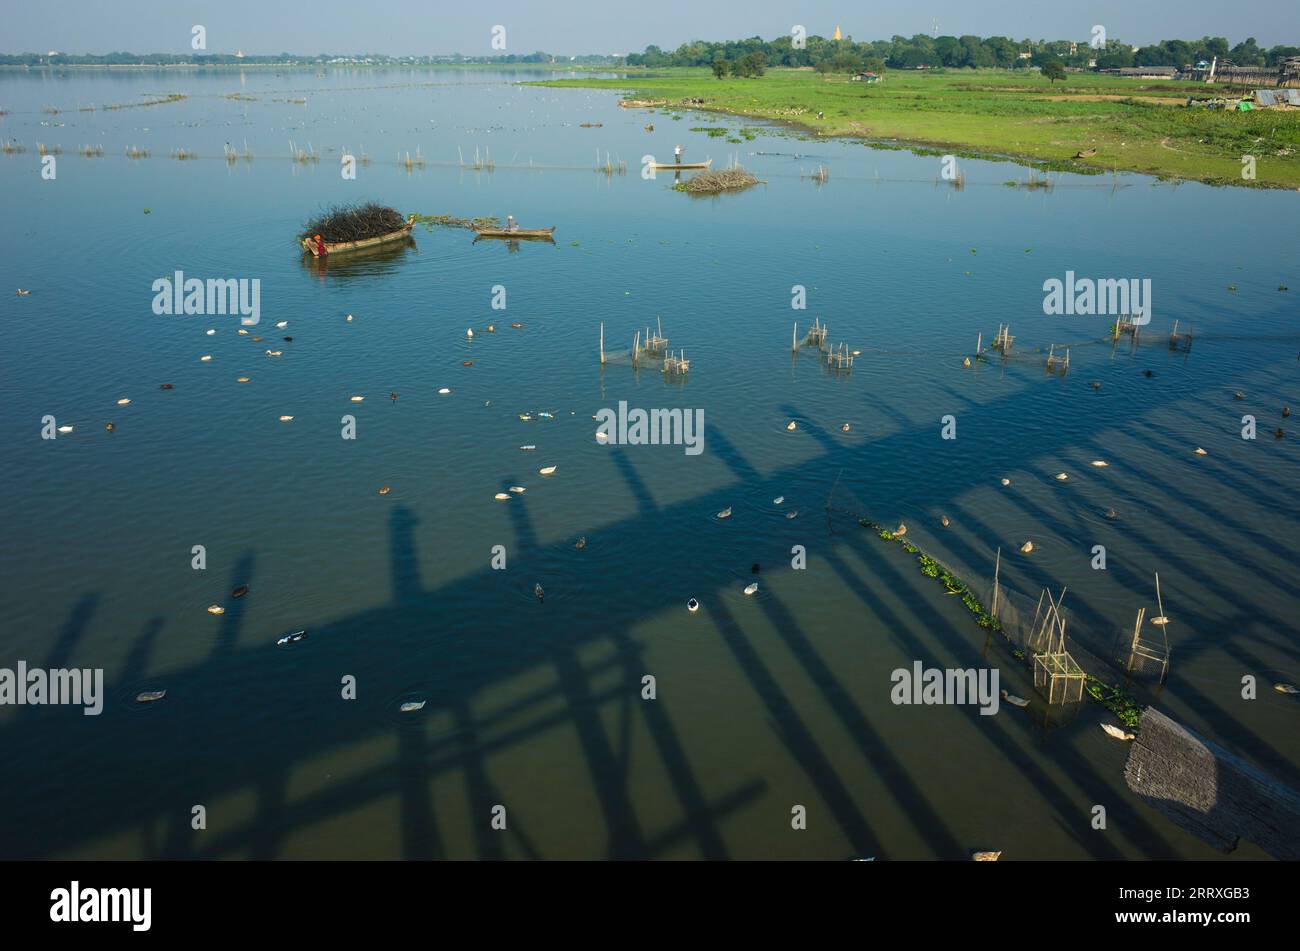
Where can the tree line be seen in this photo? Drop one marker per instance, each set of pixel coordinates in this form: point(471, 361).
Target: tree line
point(748, 57)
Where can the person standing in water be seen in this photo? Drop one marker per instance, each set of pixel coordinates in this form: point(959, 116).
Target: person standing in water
point(677, 154)
point(511, 224)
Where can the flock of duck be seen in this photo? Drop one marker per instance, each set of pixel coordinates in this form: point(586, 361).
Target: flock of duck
point(692, 604)
point(295, 637)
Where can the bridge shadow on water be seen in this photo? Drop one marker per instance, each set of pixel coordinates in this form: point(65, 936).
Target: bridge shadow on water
point(250, 720)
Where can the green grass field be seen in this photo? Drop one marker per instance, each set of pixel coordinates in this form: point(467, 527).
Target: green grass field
point(1135, 125)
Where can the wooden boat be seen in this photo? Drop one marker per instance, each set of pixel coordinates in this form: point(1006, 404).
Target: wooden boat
point(310, 246)
point(680, 166)
point(528, 234)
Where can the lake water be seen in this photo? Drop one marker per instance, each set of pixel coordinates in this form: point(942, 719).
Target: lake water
point(763, 702)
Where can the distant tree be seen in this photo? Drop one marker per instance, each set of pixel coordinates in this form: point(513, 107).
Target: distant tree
point(749, 65)
point(1116, 57)
point(720, 69)
point(1053, 70)
point(1247, 53)
point(1212, 46)
point(948, 50)
point(846, 62)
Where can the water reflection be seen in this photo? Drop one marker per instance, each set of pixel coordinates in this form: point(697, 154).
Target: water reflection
point(362, 263)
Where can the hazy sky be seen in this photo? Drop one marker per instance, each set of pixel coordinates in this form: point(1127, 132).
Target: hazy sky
point(405, 27)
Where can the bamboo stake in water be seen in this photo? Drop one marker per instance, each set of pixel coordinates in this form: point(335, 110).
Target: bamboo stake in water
point(997, 566)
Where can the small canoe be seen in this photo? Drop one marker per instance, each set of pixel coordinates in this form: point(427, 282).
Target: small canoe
point(411, 706)
point(293, 638)
point(544, 234)
point(150, 696)
point(309, 245)
point(680, 166)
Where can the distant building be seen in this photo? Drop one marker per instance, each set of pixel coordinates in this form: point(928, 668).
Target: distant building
point(239, 54)
point(1025, 55)
point(1074, 48)
point(837, 35)
point(867, 77)
point(1144, 72)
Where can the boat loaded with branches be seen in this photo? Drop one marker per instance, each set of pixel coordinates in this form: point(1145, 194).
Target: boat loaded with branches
point(349, 227)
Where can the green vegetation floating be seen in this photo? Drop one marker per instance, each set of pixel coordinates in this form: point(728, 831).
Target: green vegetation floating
point(449, 221)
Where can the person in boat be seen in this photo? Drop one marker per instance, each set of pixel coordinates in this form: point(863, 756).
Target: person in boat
point(320, 245)
point(511, 224)
point(677, 154)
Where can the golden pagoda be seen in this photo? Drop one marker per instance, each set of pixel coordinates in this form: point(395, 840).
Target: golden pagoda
point(837, 35)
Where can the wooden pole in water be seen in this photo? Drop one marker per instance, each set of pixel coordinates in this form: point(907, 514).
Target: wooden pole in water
point(997, 566)
point(979, 344)
point(602, 343)
point(794, 338)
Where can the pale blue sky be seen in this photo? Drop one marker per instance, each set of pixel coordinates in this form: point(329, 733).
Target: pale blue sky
point(405, 27)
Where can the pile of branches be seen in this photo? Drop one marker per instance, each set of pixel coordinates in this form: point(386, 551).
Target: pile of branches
point(712, 182)
point(353, 223)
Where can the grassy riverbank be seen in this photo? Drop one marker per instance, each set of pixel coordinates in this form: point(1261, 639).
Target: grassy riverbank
point(1134, 125)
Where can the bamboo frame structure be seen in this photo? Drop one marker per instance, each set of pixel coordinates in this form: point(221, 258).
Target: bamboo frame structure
point(1055, 672)
point(1125, 325)
point(676, 365)
point(1180, 341)
point(1058, 363)
point(840, 358)
point(1148, 649)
